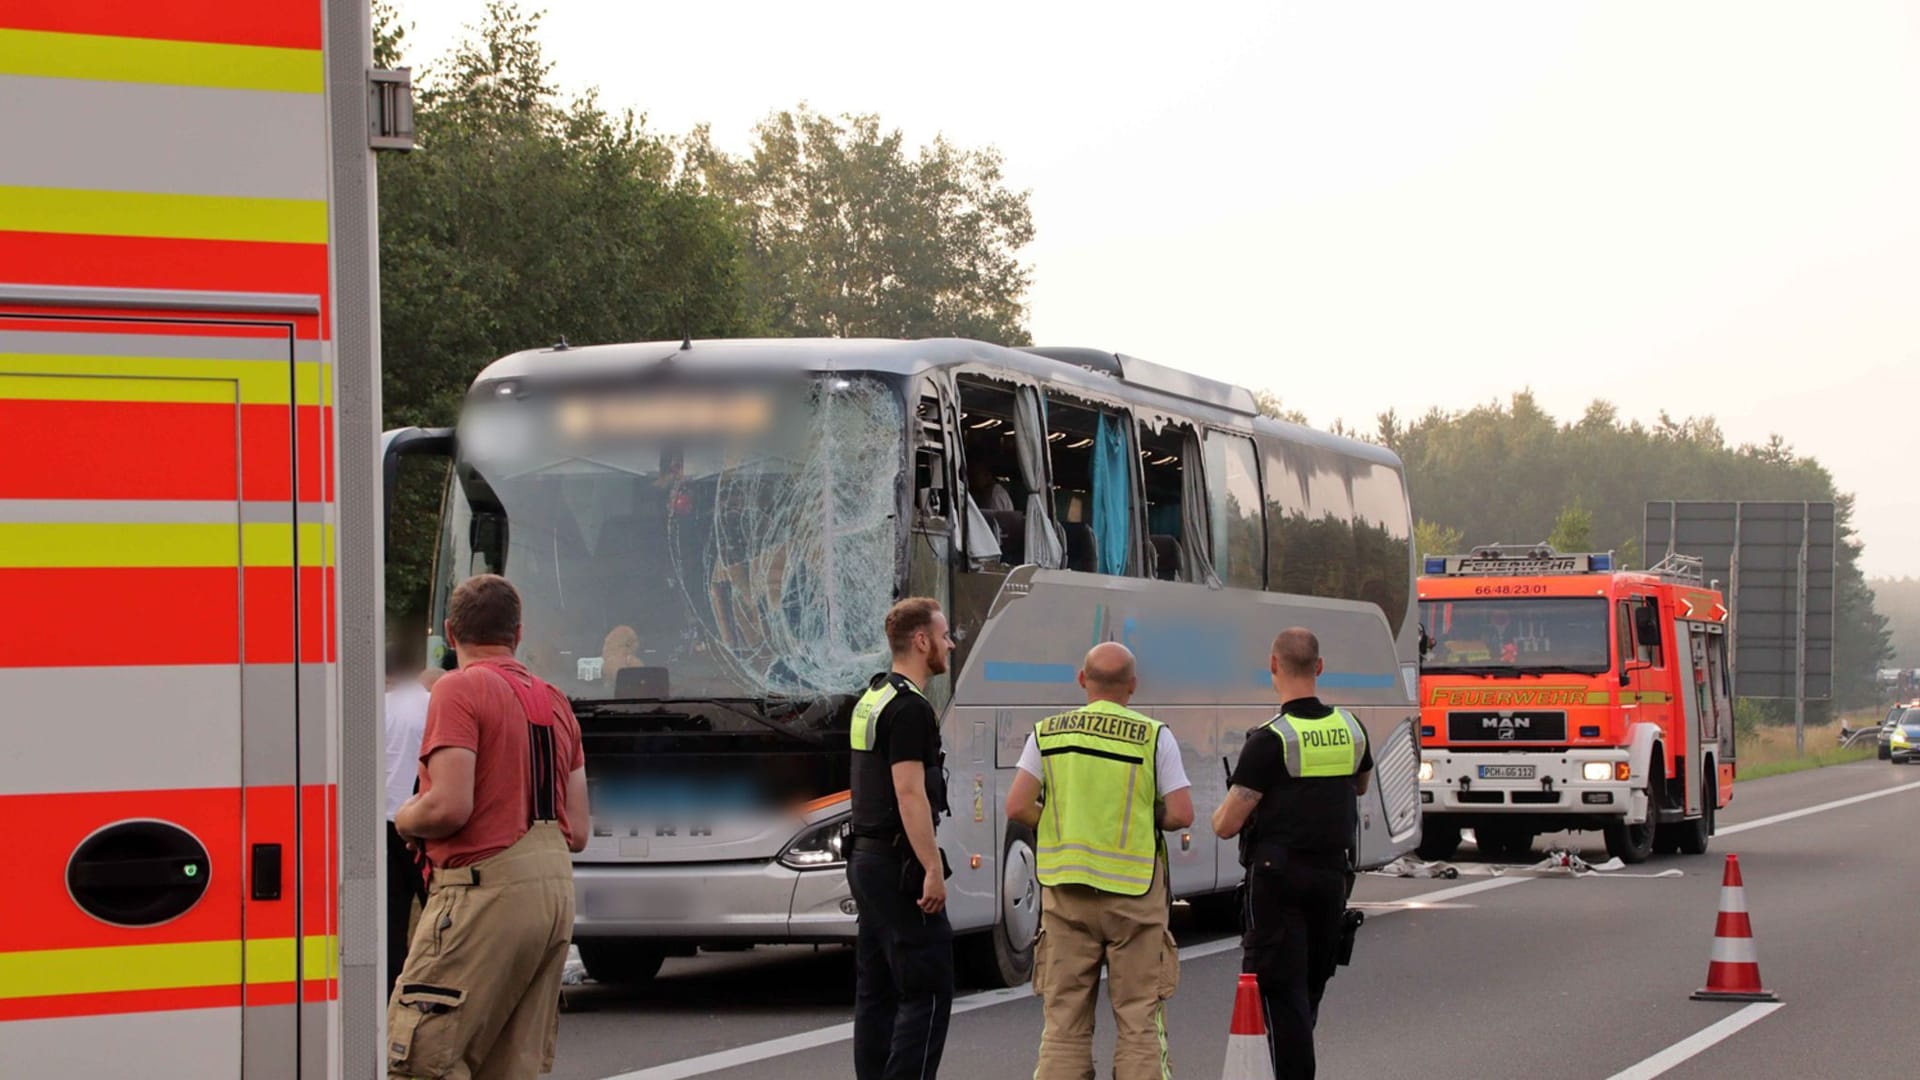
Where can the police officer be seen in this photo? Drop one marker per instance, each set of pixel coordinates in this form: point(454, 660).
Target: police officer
point(1111, 780)
point(1291, 800)
point(903, 990)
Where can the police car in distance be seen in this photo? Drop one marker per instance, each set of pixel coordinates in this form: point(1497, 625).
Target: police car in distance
point(1902, 738)
point(1884, 736)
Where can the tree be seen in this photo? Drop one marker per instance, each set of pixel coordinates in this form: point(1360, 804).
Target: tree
point(1510, 473)
point(1269, 405)
point(521, 220)
point(1433, 539)
point(1572, 530)
point(850, 235)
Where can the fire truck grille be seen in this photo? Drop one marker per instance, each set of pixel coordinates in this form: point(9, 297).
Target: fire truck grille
point(1506, 727)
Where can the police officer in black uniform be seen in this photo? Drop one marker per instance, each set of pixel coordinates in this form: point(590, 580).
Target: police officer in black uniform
point(904, 959)
point(1291, 801)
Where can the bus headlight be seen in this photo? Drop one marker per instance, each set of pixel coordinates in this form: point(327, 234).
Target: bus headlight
point(820, 846)
point(1596, 772)
point(1426, 771)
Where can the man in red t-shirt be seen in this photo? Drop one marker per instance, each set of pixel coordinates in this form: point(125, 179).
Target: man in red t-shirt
point(503, 799)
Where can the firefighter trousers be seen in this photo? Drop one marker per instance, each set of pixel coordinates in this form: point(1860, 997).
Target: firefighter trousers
point(479, 997)
point(1082, 928)
point(1293, 903)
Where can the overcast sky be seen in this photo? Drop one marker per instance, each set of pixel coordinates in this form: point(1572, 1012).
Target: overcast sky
point(1698, 207)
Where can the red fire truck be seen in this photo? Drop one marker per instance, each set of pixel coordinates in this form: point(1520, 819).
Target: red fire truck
point(1559, 693)
point(189, 550)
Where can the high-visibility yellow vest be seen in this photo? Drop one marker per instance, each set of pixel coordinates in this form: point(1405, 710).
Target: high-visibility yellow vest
point(1333, 745)
point(866, 712)
point(1097, 826)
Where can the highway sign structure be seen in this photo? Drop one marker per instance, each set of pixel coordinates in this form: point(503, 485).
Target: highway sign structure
point(1777, 562)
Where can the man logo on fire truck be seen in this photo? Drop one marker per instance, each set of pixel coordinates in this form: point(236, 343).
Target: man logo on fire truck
point(1633, 737)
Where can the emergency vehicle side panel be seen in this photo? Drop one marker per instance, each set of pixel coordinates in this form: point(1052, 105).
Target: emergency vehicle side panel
point(167, 535)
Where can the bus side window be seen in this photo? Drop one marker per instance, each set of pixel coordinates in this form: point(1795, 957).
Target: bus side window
point(1176, 526)
point(1382, 539)
point(1233, 506)
point(1092, 461)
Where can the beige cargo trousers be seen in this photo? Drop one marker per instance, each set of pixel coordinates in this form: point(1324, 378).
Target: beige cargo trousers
point(479, 998)
point(1081, 928)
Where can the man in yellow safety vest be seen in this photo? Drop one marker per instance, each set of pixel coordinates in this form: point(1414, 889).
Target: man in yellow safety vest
point(1099, 785)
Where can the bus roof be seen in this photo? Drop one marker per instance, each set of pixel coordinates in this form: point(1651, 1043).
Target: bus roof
point(1107, 374)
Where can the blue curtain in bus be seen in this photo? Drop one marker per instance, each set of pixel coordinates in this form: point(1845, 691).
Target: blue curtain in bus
point(1112, 482)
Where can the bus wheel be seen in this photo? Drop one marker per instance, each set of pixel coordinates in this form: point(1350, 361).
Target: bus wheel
point(615, 960)
point(1438, 843)
point(1002, 954)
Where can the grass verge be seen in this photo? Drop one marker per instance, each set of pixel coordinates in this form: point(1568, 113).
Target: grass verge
point(1817, 760)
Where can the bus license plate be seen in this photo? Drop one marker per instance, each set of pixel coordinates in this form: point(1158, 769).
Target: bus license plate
point(1506, 772)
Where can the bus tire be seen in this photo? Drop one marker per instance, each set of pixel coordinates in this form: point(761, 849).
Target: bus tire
point(620, 960)
point(1438, 843)
point(1002, 954)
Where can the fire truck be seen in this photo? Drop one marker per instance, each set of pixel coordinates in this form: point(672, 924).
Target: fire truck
point(1558, 693)
point(190, 597)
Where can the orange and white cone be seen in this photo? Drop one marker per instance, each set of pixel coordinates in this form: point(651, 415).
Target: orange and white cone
point(1247, 1056)
point(1734, 973)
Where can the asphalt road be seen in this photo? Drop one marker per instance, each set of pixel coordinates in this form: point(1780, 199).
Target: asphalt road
point(1510, 976)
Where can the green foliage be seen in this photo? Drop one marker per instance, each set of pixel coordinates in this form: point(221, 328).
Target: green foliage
point(1572, 530)
point(520, 220)
point(1506, 473)
point(1434, 539)
point(1269, 405)
point(850, 235)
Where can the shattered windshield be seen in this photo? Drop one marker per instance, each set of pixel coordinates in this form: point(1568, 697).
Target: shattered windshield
point(720, 542)
point(1532, 634)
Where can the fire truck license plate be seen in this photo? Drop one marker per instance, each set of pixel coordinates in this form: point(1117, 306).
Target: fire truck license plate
point(1506, 772)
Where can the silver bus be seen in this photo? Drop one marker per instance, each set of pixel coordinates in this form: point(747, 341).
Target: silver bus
point(707, 535)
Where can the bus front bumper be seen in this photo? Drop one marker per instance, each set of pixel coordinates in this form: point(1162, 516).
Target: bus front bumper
point(738, 903)
point(1529, 783)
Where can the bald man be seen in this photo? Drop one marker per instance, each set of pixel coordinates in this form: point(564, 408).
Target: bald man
point(1099, 785)
point(1292, 801)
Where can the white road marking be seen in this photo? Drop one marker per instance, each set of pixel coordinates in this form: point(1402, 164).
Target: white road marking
point(734, 1057)
point(1699, 1041)
point(1729, 830)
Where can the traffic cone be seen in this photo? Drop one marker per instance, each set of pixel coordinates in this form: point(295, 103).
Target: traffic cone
point(1247, 1056)
point(1734, 973)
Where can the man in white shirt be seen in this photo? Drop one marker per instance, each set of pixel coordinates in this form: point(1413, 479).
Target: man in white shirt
point(1112, 781)
point(988, 492)
point(406, 711)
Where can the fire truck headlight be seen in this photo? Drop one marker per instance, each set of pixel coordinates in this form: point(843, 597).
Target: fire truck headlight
point(1596, 772)
point(1426, 771)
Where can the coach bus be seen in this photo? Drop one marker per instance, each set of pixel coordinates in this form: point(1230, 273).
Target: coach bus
point(707, 535)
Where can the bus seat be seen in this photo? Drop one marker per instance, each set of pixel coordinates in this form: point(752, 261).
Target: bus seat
point(1083, 548)
point(1166, 557)
point(1012, 526)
